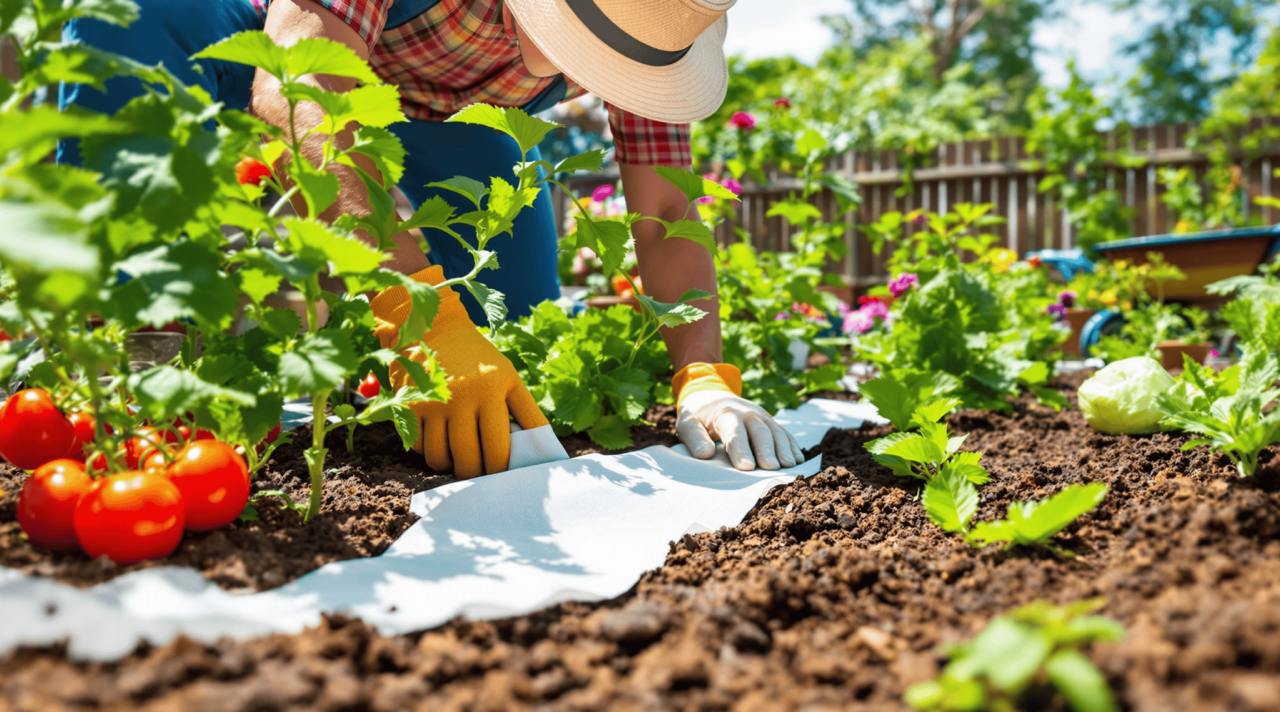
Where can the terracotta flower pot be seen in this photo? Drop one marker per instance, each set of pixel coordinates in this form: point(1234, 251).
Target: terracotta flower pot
point(1171, 353)
point(1076, 318)
point(611, 300)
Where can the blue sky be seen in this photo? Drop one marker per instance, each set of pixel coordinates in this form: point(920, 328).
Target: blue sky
point(1088, 31)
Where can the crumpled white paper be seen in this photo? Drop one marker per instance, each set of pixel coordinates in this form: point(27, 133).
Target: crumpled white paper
point(583, 530)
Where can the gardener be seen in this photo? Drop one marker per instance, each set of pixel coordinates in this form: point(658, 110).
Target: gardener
point(658, 64)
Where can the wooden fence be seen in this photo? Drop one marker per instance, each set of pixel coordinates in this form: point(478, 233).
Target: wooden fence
point(998, 171)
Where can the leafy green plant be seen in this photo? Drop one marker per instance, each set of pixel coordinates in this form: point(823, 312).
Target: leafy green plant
point(591, 373)
point(1233, 412)
point(1035, 644)
point(929, 453)
point(135, 239)
point(772, 301)
point(972, 320)
point(1254, 310)
point(1151, 324)
point(1035, 523)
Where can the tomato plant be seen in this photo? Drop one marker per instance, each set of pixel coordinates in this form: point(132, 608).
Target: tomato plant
point(214, 482)
point(47, 503)
point(130, 517)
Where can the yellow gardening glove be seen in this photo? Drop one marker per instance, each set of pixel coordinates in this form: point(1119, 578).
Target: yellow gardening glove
point(710, 406)
point(474, 427)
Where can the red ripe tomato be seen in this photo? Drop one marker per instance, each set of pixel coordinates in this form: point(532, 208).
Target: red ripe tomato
point(156, 462)
point(214, 482)
point(130, 517)
point(370, 387)
point(251, 171)
point(47, 504)
point(139, 447)
point(33, 431)
point(84, 425)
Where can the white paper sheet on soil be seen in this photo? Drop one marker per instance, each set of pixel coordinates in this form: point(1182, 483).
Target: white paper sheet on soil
point(583, 529)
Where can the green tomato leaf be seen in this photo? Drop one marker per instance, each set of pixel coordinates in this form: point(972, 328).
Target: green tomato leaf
point(527, 131)
point(589, 161)
point(912, 447)
point(165, 392)
point(319, 55)
point(692, 230)
point(345, 254)
point(950, 500)
point(627, 390)
point(1045, 518)
point(611, 433)
point(254, 48)
point(319, 188)
point(40, 238)
point(434, 213)
point(491, 300)
point(693, 185)
point(383, 148)
point(670, 316)
point(1080, 682)
point(177, 281)
point(317, 363)
point(609, 238)
point(469, 188)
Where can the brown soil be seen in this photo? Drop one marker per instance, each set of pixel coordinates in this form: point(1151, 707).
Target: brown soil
point(833, 593)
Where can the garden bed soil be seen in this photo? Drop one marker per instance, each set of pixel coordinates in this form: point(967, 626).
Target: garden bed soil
point(365, 509)
point(834, 593)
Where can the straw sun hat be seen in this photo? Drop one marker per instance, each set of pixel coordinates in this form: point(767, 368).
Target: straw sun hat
point(660, 59)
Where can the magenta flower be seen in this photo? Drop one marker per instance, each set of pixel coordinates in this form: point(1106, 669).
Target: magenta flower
point(742, 121)
point(1213, 353)
point(782, 102)
point(602, 193)
point(920, 220)
point(902, 284)
point(1057, 311)
point(1067, 299)
point(732, 185)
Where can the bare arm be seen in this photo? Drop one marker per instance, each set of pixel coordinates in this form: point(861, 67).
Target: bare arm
point(669, 268)
point(287, 22)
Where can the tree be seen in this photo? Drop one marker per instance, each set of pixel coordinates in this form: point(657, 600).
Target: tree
point(994, 37)
point(1192, 49)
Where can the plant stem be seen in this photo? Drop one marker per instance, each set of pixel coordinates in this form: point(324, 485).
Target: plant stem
point(315, 456)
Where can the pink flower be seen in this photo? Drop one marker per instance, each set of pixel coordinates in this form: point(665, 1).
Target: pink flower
point(903, 284)
point(602, 193)
point(586, 253)
point(858, 322)
point(920, 220)
point(742, 121)
point(876, 309)
point(782, 102)
point(732, 185)
point(1213, 353)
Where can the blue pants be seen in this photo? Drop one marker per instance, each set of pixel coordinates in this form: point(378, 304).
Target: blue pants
point(170, 31)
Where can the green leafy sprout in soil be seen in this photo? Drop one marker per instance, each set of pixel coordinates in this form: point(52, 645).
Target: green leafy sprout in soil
point(1035, 644)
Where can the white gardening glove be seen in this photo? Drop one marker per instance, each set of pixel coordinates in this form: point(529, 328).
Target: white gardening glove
point(709, 407)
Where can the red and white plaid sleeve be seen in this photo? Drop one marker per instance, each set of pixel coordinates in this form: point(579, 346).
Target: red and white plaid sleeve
point(366, 17)
point(645, 142)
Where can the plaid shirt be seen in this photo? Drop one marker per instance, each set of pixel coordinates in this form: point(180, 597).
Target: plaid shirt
point(457, 52)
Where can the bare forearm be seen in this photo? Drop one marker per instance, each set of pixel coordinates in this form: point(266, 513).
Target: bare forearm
point(669, 268)
point(287, 22)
